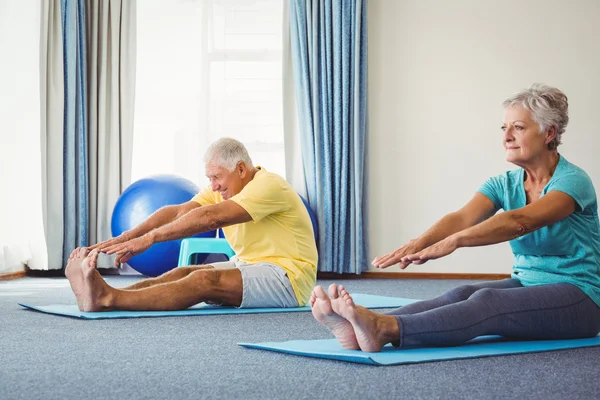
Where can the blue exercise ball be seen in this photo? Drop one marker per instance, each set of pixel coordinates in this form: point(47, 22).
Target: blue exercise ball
point(313, 218)
point(140, 200)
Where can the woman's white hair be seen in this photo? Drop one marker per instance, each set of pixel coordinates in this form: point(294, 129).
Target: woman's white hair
point(227, 153)
point(549, 107)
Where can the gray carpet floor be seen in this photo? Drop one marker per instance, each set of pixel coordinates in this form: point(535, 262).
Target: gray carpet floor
point(51, 357)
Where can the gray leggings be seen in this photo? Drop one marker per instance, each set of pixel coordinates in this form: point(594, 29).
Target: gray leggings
point(505, 308)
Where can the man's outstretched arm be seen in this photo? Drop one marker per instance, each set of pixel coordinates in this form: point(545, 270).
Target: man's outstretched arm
point(162, 216)
point(200, 219)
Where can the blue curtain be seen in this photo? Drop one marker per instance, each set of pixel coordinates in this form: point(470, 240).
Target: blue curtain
point(329, 52)
point(75, 181)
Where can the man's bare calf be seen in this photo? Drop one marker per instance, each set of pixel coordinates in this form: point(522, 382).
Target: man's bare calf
point(169, 276)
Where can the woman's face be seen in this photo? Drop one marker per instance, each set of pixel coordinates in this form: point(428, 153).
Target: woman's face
point(521, 136)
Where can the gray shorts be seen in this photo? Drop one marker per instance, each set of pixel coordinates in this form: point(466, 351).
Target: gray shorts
point(264, 284)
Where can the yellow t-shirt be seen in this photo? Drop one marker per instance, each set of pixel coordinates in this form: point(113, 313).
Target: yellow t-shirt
point(280, 232)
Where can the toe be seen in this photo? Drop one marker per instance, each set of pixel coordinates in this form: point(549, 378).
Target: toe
point(320, 293)
point(82, 251)
point(333, 291)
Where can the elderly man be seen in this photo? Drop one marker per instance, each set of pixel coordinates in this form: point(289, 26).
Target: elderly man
point(264, 221)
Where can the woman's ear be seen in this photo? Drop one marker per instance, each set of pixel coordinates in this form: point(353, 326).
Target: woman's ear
point(550, 135)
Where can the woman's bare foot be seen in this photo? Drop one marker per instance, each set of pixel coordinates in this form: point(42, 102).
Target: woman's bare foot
point(372, 330)
point(322, 311)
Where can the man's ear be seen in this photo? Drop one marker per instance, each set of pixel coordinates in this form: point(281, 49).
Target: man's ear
point(241, 169)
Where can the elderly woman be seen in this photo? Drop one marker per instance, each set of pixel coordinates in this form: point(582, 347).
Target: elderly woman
point(551, 221)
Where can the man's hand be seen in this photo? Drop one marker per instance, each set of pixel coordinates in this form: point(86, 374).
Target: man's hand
point(122, 238)
point(126, 250)
point(396, 256)
point(435, 251)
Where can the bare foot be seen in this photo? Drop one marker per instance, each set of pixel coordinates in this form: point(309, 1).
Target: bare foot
point(372, 330)
point(96, 292)
point(322, 311)
point(74, 273)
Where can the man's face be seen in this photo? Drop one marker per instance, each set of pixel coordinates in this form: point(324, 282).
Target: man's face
point(227, 183)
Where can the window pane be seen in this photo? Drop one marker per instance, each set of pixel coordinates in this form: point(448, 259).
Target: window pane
point(246, 103)
point(185, 99)
point(247, 25)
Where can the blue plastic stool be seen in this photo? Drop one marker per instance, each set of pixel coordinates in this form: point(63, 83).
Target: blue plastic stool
point(191, 246)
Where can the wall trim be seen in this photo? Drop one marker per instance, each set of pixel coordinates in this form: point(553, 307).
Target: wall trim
point(13, 275)
point(412, 275)
point(328, 275)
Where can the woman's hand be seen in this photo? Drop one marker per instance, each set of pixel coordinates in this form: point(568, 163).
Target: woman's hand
point(435, 251)
point(396, 256)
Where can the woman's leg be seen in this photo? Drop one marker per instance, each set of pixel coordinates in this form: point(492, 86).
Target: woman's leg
point(555, 311)
point(454, 295)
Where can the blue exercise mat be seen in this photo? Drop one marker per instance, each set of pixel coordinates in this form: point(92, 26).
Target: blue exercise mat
point(484, 346)
point(365, 300)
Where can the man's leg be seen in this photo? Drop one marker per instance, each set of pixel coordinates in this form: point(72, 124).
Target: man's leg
point(223, 286)
point(176, 274)
point(169, 276)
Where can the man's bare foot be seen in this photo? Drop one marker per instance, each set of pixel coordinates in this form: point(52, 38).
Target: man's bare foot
point(74, 274)
point(88, 286)
point(372, 330)
point(322, 311)
point(96, 292)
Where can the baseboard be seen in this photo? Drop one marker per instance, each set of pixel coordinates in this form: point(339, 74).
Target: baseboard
point(412, 275)
point(60, 273)
point(13, 275)
point(46, 273)
point(320, 275)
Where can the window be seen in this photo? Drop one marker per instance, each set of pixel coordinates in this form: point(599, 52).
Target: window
point(207, 69)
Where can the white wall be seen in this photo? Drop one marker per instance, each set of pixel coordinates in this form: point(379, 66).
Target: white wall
point(21, 225)
point(438, 73)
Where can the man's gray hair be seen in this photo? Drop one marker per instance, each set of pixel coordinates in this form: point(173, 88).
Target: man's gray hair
point(549, 107)
point(227, 153)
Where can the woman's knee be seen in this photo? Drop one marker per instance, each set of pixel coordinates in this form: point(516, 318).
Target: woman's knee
point(485, 295)
point(459, 293)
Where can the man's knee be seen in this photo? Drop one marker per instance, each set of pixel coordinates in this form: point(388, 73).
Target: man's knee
point(208, 276)
point(216, 278)
point(179, 271)
point(221, 286)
